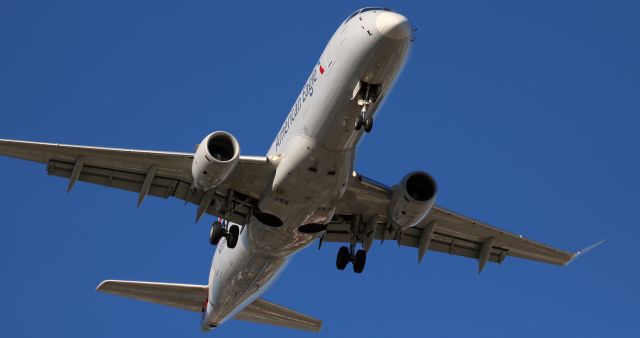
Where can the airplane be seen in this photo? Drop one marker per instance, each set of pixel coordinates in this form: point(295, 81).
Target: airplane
point(304, 189)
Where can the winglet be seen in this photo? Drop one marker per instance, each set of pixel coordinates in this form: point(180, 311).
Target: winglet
point(584, 251)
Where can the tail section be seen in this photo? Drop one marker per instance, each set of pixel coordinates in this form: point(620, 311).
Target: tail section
point(194, 298)
point(265, 312)
point(183, 296)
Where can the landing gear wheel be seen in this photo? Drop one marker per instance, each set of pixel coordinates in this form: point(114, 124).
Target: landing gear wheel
point(343, 258)
point(216, 233)
point(232, 236)
point(368, 124)
point(359, 122)
point(359, 261)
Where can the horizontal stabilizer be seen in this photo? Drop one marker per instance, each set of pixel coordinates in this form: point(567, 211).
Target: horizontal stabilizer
point(265, 312)
point(183, 296)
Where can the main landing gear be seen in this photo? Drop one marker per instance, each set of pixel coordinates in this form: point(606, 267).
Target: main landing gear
point(221, 228)
point(346, 255)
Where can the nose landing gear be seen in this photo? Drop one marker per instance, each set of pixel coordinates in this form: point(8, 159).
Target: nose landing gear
point(221, 228)
point(369, 94)
point(346, 255)
point(363, 121)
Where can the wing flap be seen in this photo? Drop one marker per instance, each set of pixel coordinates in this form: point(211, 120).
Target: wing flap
point(410, 237)
point(182, 296)
point(161, 186)
point(265, 312)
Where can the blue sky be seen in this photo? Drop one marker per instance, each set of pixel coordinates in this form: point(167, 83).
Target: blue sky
point(527, 114)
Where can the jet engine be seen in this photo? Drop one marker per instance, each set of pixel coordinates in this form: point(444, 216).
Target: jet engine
point(216, 157)
point(412, 199)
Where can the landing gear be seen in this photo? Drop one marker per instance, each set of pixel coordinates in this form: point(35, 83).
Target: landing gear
point(363, 121)
point(369, 94)
point(221, 229)
point(216, 233)
point(343, 258)
point(368, 124)
point(232, 236)
point(359, 121)
point(346, 255)
point(359, 260)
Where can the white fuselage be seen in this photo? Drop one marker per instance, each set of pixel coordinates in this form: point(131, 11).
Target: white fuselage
point(314, 152)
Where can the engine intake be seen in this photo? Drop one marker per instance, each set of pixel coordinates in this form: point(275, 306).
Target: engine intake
point(412, 199)
point(216, 157)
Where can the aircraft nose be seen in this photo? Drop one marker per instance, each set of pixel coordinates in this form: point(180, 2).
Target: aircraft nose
point(393, 25)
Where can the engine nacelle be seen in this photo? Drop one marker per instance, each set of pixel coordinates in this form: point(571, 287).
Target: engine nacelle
point(216, 157)
point(412, 199)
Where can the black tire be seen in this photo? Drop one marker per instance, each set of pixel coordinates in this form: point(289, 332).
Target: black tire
point(359, 122)
point(232, 236)
point(343, 258)
point(215, 234)
point(368, 124)
point(359, 262)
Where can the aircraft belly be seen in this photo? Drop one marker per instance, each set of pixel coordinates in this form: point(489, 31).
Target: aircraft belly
point(316, 147)
point(309, 181)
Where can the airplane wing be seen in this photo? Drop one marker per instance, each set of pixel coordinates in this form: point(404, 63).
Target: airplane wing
point(156, 173)
point(442, 230)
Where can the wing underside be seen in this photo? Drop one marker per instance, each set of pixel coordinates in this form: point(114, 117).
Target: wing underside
point(361, 214)
point(154, 173)
point(442, 230)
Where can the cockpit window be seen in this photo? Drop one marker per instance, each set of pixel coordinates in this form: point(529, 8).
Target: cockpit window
point(367, 9)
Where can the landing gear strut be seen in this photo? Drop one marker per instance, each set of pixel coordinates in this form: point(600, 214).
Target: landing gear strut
point(346, 255)
point(221, 228)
